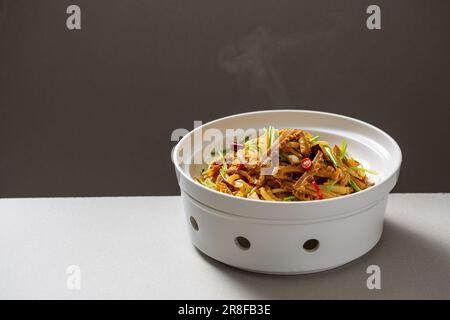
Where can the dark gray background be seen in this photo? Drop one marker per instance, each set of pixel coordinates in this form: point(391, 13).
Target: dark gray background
point(90, 112)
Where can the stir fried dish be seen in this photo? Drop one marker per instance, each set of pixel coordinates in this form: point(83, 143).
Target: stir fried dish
point(307, 168)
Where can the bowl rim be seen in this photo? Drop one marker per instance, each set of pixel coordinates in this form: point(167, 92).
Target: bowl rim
point(287, 203)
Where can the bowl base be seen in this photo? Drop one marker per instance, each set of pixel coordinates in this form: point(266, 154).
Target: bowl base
point(271, 272)
point(292, 273)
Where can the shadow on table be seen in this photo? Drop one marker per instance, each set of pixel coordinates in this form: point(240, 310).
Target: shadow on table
point(412, 266)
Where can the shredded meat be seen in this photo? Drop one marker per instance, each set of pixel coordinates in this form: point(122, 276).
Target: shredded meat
point(293, 176)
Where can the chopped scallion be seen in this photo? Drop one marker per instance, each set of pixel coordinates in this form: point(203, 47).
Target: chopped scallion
point(354, 185)
point(330, 155)
point(223, 171)
point(343, 149)
point(365, 170)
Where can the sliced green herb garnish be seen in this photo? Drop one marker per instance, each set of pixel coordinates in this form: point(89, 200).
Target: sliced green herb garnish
point(329, 184)
point(207, 183)
point(330, 155)
point(315, 138)
point(251, 145)
point(223, 171)
point(365, 170)
point(343, 149)
point(290, 198)
point(354, 185)
point(269, 133)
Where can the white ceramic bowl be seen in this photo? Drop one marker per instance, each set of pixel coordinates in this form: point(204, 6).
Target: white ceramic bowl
point(292, 237)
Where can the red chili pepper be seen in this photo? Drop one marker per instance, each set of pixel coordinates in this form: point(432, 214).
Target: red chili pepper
point(241, 166)
point(319, 192)
point(306, 163)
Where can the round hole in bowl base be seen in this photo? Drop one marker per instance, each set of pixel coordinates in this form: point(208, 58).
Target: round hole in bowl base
point(242, 243)
point(194, 223)
point(311, 245)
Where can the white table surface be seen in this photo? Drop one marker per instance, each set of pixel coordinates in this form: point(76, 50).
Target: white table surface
point(138, 248)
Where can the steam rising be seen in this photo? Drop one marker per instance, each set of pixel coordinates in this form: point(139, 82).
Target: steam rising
point(253, 57)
